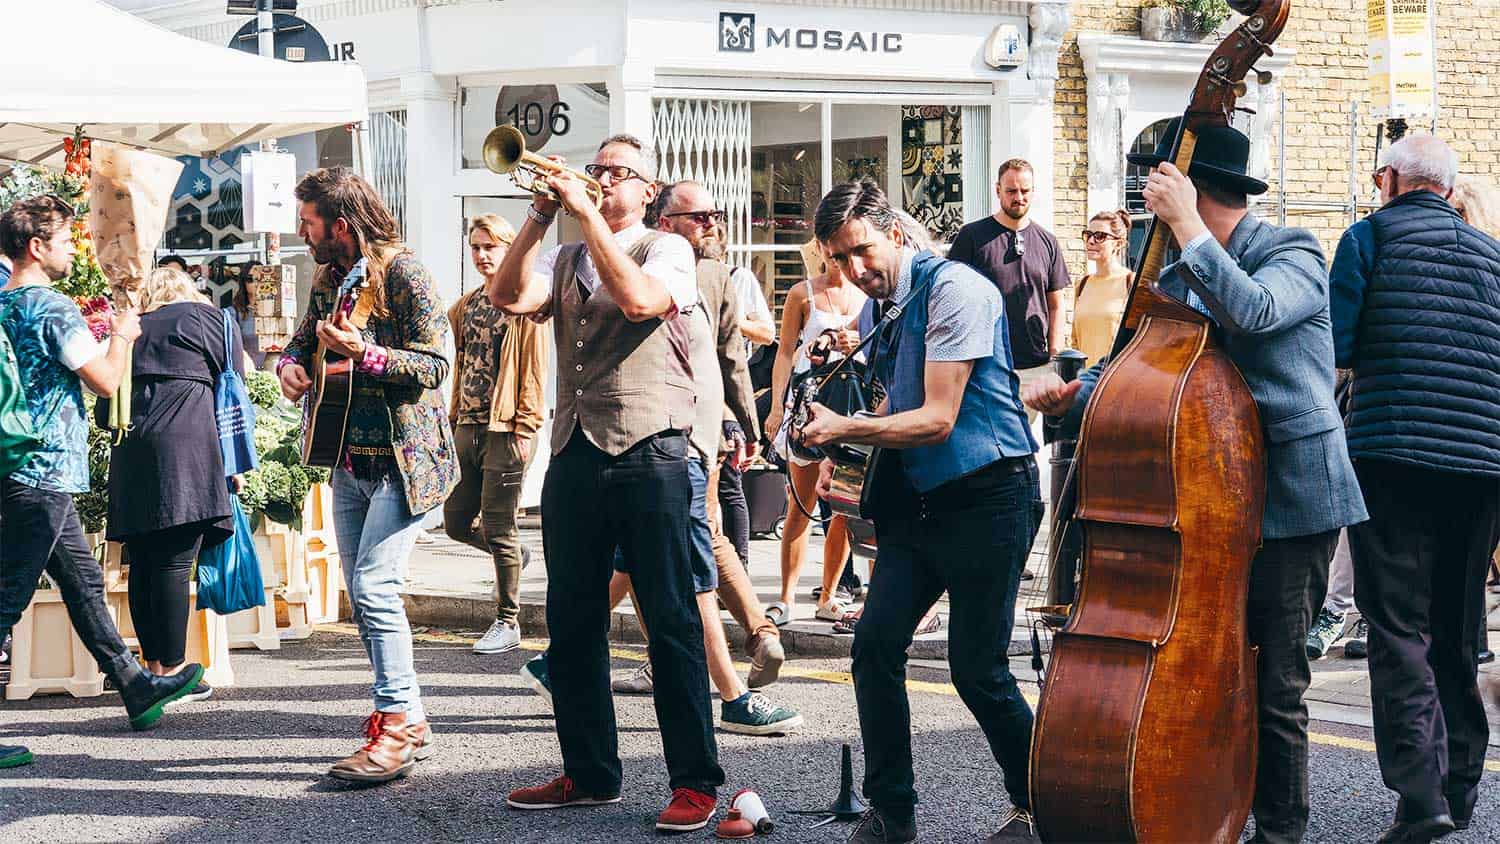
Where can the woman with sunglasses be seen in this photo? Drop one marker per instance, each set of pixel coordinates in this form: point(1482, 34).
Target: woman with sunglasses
point(1099, 298)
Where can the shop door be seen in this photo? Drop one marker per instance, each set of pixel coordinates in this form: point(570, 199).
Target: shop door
point(708, 141)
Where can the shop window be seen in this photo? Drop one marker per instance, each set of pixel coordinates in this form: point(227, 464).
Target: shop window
point(932, 168)
point(1135, 185)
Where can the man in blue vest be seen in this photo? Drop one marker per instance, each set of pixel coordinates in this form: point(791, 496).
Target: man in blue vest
point(963, 511)
point(1266, 289)
point(1416, 314)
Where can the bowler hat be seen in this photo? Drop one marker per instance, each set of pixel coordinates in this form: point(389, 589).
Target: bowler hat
point(1220, 157)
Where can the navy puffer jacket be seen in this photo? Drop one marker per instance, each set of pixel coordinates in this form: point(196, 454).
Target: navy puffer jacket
point(1416, 314)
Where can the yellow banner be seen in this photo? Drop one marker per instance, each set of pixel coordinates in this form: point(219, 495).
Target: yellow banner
point(1402, 74)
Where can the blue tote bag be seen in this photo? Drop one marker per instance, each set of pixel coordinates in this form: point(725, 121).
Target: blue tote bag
point(234, 413)
point(229, 573)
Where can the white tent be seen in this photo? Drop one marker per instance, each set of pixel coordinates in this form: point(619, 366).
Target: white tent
point(71, 63)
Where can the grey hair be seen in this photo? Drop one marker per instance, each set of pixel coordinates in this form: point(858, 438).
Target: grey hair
point(648, 155)
point(1422, 160)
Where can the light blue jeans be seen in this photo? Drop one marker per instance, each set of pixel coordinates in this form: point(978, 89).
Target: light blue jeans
point(376, 531)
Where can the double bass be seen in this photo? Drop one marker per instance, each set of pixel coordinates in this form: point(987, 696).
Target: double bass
point(1146, 726)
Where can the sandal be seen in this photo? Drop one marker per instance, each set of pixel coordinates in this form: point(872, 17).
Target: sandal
point(929, 624)
point(845, 625)
point(832, 611)
point(783, 613)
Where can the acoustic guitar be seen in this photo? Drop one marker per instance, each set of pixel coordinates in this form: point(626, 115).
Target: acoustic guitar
point(325, 406)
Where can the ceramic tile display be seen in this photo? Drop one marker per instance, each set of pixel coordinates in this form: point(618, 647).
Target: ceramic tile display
point(932, 167)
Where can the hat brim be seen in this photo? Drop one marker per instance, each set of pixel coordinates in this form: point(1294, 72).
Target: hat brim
point(1208, 172)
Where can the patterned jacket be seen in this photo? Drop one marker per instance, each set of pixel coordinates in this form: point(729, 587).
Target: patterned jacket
point(412, 339)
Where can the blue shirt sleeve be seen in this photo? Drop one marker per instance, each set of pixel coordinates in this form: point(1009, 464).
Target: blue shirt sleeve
point(1353, 263)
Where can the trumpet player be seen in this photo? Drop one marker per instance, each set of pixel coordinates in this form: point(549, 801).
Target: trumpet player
point(618, 477)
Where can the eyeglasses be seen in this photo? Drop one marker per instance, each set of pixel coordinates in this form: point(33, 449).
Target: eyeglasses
point(702, 218)
point(1097, 236)
point(1380, 171)
point(617, 172)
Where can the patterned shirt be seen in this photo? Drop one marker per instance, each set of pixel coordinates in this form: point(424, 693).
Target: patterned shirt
point(52, 342)
point(480, 335)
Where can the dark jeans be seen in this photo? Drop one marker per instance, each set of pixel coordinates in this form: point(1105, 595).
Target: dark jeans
point(161, 564)
point(639, 502)
point(735, 508)
point(973, 545)
point(491, 470)
point(1288, 579)
point(40, 531)
point(1419, 570)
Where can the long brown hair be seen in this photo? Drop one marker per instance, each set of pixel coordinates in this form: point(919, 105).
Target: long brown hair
point(337, 192)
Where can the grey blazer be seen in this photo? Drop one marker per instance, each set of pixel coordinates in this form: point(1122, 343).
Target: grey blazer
point(1268, 292)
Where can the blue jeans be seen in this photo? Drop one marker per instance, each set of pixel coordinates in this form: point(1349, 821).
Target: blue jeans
point(376, 531)
point(705, 570)
point(972, 542)
point(640, 503)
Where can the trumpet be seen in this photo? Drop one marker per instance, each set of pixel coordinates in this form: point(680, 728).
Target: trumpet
point(505, 152)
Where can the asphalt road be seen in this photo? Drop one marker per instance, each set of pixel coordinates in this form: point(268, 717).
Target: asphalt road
point(249, 765)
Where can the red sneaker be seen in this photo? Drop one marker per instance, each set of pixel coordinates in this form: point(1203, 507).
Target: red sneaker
point(689, 810)
point(558, 794)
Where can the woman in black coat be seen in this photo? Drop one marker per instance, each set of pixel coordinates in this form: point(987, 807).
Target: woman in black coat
point(168, 497)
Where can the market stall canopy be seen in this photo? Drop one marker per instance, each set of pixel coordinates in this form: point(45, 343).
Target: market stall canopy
point(71, 63)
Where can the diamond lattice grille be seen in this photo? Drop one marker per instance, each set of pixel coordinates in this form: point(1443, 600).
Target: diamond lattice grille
point(708, 141)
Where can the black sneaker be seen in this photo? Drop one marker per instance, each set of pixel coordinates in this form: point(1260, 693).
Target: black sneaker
point(147, 697)
point(1356, 647)
point(876, 828)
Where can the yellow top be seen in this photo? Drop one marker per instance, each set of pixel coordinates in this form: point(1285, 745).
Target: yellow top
point(1097, 312)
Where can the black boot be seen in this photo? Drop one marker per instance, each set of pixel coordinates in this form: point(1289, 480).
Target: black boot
point(877, 827)
point(1420, 831)
point(147, 695)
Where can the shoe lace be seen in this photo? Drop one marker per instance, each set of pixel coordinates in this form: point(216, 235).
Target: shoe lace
point(644, 671)
point(373, 729)
point(760, 705)
point(696, 799)
point(872, 821)
point(563, 784)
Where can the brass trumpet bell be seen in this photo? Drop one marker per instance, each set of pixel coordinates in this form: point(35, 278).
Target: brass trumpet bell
point(505, 153)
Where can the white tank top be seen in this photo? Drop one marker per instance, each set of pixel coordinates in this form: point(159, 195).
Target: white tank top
point(819, 321)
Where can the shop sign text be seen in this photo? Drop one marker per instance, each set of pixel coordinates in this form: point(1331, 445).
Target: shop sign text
point(737, 33)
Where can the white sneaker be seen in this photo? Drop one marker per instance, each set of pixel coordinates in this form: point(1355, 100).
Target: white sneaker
point(500, 638)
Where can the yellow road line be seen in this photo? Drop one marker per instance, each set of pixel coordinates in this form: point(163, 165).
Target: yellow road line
point(844, 678)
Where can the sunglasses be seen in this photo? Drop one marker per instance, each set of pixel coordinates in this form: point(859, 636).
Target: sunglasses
point(1375, 176)
point(617, 172)
point(702, 218)
point(1020, 245)
point(1097, 237)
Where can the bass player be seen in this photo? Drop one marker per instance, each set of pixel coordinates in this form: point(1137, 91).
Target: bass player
point(962, 511)
point(1267, 290)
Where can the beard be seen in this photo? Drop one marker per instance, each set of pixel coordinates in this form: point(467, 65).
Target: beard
point(325, 251)
point(1015, 212)
point(712, 248)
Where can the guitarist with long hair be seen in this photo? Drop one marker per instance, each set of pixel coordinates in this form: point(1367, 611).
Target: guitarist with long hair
point(374, 305)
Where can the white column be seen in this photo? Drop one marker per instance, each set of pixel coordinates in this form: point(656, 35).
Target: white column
point(630, 99)
point(1049, 22)
point(433, 213)
point(1108, 95)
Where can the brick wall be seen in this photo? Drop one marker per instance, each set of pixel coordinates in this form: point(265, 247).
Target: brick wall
point(1328, 72)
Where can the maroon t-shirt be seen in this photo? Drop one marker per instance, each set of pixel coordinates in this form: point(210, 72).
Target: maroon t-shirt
point(1024, 274)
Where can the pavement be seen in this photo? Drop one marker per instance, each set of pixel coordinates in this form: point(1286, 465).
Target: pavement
point(452, 585)
point(248, 765)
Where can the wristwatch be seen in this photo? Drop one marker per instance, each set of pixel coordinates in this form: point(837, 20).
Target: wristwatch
point(538, 217)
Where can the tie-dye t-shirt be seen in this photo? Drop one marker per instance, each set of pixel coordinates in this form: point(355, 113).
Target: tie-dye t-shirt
point(51, 341)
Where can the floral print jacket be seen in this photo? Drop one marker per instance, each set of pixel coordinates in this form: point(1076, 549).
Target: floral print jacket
point(411, 339)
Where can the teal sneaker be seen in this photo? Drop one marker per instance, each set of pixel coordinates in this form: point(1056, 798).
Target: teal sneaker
point(1325, 631)
point(537, 677)
point(13, 756)
point(753, 714)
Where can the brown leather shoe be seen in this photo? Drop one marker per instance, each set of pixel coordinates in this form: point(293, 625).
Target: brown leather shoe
point(421, 739)
point(388, 753)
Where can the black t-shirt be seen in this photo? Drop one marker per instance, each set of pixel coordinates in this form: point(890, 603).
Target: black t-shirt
point(1025, 276)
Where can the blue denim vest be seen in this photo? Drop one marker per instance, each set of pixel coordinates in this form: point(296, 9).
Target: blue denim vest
point(991, 422)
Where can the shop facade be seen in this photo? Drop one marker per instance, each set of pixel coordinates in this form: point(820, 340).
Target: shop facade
point(769, 103)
